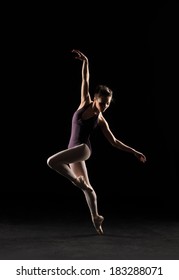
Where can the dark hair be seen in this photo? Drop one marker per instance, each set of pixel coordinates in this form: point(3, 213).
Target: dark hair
point(102, 90)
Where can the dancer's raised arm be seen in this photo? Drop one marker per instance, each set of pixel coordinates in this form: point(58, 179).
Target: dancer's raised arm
point(85, 96)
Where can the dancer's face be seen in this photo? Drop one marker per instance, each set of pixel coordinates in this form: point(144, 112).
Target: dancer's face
point(102, 103)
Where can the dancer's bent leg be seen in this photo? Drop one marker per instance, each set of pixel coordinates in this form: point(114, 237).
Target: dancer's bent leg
point(61, 160)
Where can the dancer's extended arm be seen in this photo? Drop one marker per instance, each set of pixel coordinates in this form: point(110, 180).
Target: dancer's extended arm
point(117, 143)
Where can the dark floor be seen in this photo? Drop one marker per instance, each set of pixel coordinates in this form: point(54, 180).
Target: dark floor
point(123, 239)
point(138, 234)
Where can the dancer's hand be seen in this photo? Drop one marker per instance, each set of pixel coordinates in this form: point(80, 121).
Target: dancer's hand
point(140, 156)
point(79, 55)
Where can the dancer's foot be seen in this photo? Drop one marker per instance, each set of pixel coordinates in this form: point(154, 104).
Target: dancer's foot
point(97, 221)
point(80, 183)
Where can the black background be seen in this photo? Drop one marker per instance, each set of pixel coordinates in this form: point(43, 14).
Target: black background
point(133, 49)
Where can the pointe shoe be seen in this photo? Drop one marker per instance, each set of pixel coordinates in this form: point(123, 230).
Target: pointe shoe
point(83, 185)
point(98, 224)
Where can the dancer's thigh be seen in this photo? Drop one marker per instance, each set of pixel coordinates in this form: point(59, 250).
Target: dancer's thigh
point(71, 155)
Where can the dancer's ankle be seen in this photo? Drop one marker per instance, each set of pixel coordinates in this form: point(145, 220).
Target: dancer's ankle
point(80, 182)
point(97, 222)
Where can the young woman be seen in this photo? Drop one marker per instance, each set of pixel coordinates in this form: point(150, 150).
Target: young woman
point(71, 163)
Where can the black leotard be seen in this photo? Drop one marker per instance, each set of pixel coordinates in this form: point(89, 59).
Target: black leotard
point(81, 129)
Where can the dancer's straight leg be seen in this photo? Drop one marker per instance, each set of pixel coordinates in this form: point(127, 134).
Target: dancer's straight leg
point(79, 168)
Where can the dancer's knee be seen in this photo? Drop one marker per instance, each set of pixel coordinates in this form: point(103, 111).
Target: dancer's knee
point(90, 192)
point(54, 163)
point(50, 162)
